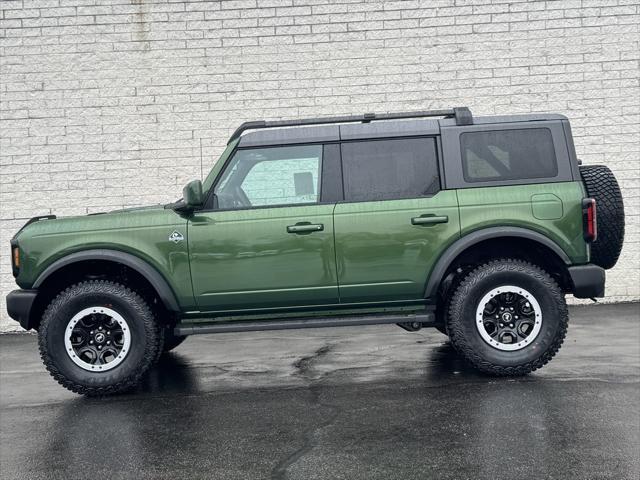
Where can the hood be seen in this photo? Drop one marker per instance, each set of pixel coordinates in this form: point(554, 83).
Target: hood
point(125, 218)
point(129, 209)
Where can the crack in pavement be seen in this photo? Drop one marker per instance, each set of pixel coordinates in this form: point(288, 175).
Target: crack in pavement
point(303, 365)
point(304, 368)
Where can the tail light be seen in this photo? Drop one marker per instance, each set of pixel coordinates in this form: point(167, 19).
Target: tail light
point(589, 219)
point(15, 259)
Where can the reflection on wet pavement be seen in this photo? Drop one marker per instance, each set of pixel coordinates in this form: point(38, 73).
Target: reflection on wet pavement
point(374, 402)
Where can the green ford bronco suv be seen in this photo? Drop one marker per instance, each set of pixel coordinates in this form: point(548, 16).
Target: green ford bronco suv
point(475, 226)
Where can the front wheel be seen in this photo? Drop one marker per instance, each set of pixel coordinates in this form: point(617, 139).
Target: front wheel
point(507, 317)
point(98, 337)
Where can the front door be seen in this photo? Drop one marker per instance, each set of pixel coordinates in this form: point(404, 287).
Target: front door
point(269, 241)
point(394, 222)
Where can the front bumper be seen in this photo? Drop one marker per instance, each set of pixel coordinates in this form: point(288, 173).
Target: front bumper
point(19, 306)
point(588, 281)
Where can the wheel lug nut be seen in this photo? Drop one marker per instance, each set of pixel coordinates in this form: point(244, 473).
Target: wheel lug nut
point(100, 328)
point(511, 309)
point(90, 342)
point(516, 317)
point(511, 325)
point(99, 347)
point(501, 325)
point(108, 342)
point(91, 332)
point(501, 308)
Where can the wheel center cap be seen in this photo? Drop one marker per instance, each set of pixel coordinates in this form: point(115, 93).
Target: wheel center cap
point(99, 337)
point(506, 317)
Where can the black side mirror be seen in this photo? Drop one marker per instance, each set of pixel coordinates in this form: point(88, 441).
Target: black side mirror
point(192, 197)
point(192, 194)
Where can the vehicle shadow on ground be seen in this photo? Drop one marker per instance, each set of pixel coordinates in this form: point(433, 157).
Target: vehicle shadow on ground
point(175, 374)
point(172, 374)
point(444, 362)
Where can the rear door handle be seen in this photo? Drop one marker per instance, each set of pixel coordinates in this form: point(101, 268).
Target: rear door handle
point(429, 219)
point(305, 228)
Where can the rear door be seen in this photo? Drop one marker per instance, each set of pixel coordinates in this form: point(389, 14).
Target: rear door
point(395, 220)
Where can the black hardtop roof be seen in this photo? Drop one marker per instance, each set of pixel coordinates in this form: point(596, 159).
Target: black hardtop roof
point(369, 125)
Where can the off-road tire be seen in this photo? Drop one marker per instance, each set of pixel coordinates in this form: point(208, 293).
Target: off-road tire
point(601, 185)
point(171, 341)
point(146, 337)
point(443, 312)
point(461, 319)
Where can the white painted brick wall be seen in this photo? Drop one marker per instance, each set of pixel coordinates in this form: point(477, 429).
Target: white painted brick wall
point(106, 103)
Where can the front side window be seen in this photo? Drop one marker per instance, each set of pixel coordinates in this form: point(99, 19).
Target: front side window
point(262, 177)
point(390, 169)
point(508, 155)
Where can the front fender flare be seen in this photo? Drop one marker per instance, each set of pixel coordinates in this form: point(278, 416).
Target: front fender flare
point(460, 245)
point(152, 275)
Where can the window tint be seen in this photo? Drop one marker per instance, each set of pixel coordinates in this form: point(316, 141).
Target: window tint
point(271, 176)
point(508, 155)
point(386, 169)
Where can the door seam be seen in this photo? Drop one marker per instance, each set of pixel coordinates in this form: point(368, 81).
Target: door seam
point(335, 250)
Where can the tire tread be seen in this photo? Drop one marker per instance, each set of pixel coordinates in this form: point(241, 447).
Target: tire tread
point(135, 301)
point(601, 184)
point(455, 317)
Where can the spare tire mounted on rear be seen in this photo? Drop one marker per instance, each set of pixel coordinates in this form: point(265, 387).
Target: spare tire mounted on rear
point(602, 186)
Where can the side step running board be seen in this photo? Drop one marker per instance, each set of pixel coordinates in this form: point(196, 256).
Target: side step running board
point(422, 319)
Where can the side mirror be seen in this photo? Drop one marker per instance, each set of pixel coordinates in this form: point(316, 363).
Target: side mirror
point(192, 194)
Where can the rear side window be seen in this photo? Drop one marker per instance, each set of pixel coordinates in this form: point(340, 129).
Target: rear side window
point(389, 169)
point(508, 155)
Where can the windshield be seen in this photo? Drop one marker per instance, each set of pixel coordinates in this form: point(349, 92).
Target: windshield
point(206, 185)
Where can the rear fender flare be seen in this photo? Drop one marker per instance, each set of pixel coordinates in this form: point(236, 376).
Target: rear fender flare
point(460, 245)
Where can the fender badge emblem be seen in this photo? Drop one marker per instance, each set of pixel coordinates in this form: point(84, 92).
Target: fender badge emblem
point(176, 237)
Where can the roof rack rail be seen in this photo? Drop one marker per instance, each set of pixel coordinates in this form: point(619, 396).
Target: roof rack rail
point(461, 114)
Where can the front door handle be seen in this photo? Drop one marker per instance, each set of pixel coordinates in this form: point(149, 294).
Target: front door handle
point(429, 219)
point(305, 228)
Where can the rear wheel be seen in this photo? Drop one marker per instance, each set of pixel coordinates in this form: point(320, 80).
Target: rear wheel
point(507, 317)
point(98, 337)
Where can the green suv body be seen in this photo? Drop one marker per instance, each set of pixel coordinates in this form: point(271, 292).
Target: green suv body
point(327, 222)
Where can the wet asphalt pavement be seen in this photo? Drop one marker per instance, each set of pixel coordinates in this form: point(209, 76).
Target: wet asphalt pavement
point(351, 403)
